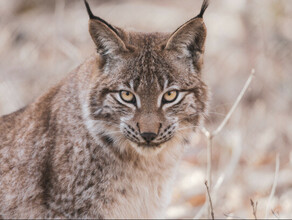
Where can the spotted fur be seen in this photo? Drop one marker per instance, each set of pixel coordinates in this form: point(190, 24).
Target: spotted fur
point(79, 152)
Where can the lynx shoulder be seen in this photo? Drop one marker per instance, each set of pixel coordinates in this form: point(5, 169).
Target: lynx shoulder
point(106, 141)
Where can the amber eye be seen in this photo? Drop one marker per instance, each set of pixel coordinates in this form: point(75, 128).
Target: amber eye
point(127, 96)
point(170, 96)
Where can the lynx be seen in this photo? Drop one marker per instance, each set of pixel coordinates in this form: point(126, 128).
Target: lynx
point(107, 140)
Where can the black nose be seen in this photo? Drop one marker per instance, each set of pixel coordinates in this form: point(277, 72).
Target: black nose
point(148, 136)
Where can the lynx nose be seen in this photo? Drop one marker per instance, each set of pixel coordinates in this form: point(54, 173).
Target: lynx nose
point(148, 136)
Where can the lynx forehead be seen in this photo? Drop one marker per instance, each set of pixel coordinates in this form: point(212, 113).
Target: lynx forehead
point(106, 141)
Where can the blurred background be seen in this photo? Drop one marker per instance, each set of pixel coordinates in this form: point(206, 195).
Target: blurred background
point(41, 41)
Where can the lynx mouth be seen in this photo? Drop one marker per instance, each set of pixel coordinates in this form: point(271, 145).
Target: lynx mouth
point(151, 144)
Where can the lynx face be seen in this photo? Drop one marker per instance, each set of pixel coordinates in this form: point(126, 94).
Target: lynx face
point(149, 90)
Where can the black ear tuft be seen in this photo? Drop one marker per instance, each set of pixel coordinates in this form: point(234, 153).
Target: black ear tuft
point(91, 15)
point(203, 9)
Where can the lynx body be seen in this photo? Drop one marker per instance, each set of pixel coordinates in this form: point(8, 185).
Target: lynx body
point(106, 141)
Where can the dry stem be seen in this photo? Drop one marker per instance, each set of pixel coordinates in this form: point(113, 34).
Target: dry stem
point(227, 117)
point(210, 200)
point(254, 208)
point(209, 135)
point(274, 185)
point(276, 214)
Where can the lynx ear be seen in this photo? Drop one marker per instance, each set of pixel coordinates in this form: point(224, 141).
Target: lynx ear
point(106, 38)
point(189, 39)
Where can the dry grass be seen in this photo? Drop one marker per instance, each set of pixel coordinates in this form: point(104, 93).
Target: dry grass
point(41, 41)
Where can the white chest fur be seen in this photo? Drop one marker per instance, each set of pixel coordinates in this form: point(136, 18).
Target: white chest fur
point(145, 196)
point(146, 192)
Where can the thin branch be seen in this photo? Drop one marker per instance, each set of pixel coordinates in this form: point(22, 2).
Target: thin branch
point(209, 162)
point(254, 208)
point(208, 182)
point(274, 185)
point(209, 155)
point(228, 170)
point(223, 123)
point(210, 200)
point(209, 135)
point(276, 214)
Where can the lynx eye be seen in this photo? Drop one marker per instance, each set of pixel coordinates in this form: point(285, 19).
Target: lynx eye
point(170, 96)
point(127, 96)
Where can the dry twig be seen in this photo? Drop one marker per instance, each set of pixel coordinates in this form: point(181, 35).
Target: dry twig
point(210, 200)
point(254, 208)
point(227, 117)
point(274, 185)
point(276, 214)
point(209, 135)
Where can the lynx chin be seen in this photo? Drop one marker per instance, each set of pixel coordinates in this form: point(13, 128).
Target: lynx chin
point(107, 140)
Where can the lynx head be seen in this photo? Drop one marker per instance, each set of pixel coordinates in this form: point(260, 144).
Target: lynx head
point(149, 90)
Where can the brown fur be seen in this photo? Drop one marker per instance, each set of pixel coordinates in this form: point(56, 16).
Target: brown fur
point(77, 151)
